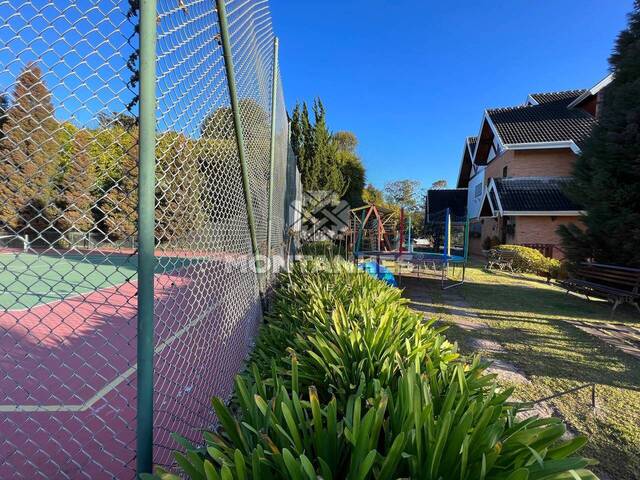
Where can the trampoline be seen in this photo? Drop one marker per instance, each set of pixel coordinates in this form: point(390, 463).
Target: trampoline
point(451, 267)
point(446, 265)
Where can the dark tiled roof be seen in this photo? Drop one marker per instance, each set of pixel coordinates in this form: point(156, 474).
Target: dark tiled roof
point(471, 143)
point(533, 194)
point(547, 122)
point(440, 199)
point(567, 96)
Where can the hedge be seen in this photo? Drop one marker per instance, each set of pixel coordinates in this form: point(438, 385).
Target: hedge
point(531, 260)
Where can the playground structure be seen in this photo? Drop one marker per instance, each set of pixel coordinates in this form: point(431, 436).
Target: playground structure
point(381, 237)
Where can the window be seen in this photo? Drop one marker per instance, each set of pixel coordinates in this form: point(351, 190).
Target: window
point(504, 172)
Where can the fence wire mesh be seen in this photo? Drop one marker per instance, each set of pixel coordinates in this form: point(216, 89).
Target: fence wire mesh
point(68, 225)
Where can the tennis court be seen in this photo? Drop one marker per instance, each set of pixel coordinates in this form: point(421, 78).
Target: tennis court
point(30, 279)
point(69, 336)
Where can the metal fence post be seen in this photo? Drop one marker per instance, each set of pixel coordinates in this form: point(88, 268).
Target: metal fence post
point(146, 237)
point(237, 124)
point(274, 94)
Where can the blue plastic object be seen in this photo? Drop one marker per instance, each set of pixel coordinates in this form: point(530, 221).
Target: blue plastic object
point(379, 271)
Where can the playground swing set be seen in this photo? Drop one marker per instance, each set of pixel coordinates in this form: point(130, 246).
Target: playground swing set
point(381, 244)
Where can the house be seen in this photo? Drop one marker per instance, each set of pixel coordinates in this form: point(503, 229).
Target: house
point(516, 168)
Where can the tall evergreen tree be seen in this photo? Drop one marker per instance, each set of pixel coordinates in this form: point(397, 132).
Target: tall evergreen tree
point(307, 129)
point(606, 179)
point(4, 107)
point(28, 155)
point(297, 136)
point(325, 171)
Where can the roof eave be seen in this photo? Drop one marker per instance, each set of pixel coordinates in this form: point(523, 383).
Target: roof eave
point(592, 91)
point(544, 213)
point(544, 145)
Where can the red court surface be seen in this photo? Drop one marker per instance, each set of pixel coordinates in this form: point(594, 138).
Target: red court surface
point(68, 383)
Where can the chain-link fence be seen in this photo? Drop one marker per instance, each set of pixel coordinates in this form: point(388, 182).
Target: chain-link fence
point(83, 343)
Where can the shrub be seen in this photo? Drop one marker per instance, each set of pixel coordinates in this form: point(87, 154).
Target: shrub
point(429, 427)
point(490, 242)
point(320, 248)
point(354, 337)
point(388, 397)
point(532, 261)
point(460, 426)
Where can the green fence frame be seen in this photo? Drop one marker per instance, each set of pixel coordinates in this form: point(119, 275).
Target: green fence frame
point(146, 235)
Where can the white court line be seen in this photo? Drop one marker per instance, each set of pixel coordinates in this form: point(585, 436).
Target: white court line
point(109, 386)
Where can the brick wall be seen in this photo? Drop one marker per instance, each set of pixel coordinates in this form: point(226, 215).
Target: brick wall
point(527, 230)
point(556, 162)
point(541, 230)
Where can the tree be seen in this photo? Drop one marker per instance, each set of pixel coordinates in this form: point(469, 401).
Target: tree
point(372, 195)
point(76, 180)
point(326, 174)
point(180, 214)
point(606, 176)
point(403, 193)
point(353, 176)
point(4, 107)
point(308, 147)
point(345, 141)
point(117, 119)
point(27, 155)
point(117, 209)
point(256, 124)
point(298, 136)
point(439, 185)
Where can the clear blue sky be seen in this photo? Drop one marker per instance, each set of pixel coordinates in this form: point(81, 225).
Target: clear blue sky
point(411, 78)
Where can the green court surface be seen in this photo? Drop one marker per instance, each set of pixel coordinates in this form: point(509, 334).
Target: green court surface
point(28, 279)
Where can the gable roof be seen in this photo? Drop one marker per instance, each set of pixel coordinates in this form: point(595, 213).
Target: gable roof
point(592, 91)
point(528, 196)
point(438, 200)
point(467, 161)
point(548, 97)
point(546, 122)
point(471, 144)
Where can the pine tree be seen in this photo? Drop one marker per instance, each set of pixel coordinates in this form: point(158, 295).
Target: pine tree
point(607, 173)
point(4, 107)
point(307, 175)
point(28, 155)
point(325, 171)
point(76, 180)
point(297, 137)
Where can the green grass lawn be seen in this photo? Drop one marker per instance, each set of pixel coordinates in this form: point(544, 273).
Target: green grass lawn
point(531, 320)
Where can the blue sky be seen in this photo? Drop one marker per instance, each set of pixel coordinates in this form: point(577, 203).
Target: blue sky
point(411, 78)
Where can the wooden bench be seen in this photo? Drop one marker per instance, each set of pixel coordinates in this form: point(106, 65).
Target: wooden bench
point(615, 284)
point(500, 259)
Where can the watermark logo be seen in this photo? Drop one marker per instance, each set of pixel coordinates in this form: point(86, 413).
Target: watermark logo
point(321, 215)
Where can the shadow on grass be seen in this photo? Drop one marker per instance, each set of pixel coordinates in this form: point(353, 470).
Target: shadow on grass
point(522, 295)
point(533, 324)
